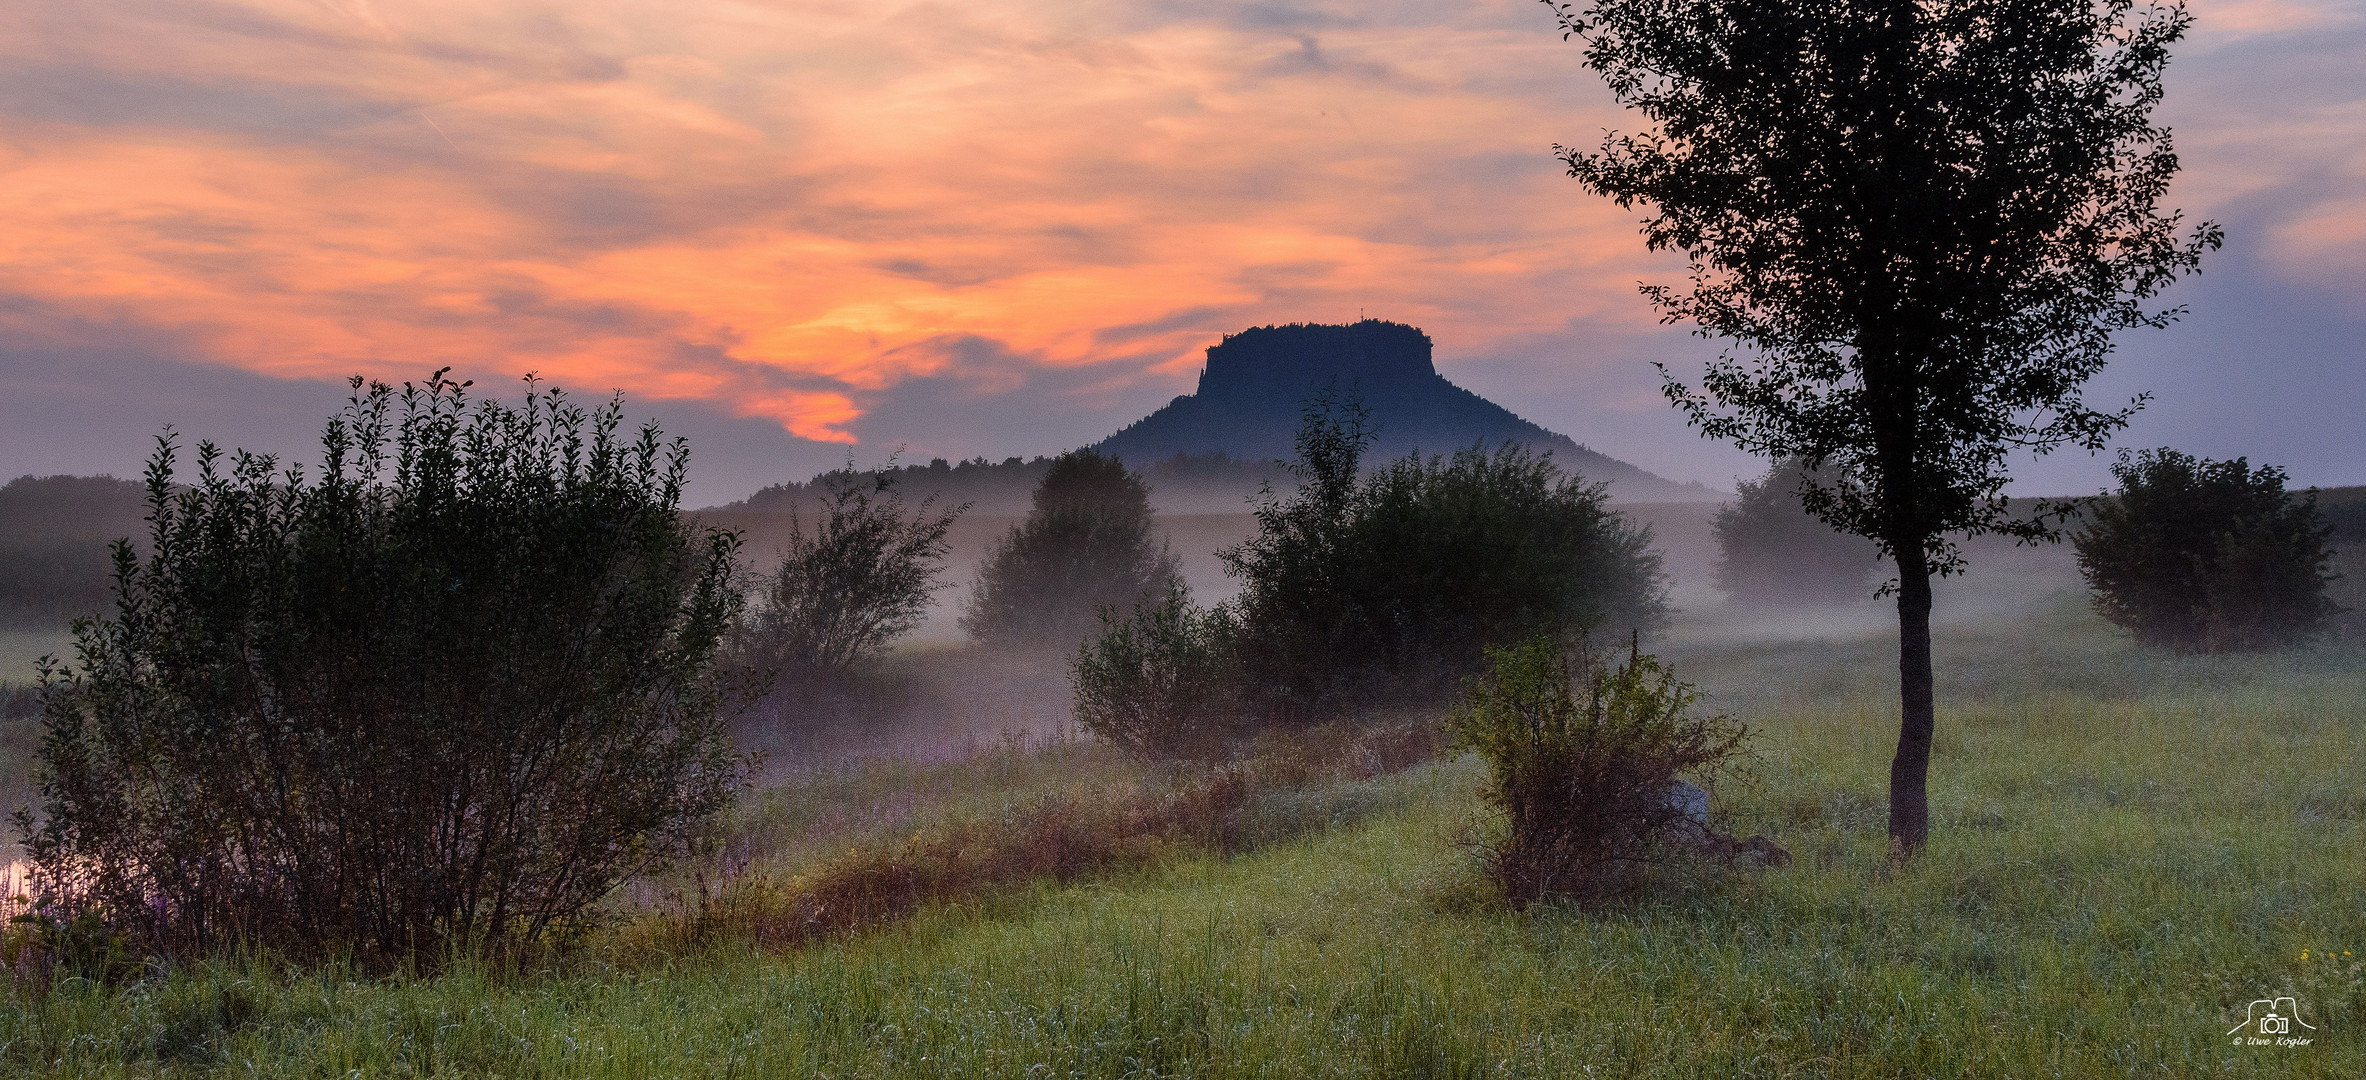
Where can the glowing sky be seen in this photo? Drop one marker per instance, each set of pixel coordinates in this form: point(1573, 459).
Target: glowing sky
point(999, 227)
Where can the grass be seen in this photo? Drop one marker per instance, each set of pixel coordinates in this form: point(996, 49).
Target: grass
point(2127, 849)
point(20, 718)
point(1104, 814)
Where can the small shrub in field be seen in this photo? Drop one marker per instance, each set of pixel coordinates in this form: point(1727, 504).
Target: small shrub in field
point(451, 689)
point(2208, 556)
point(860, 579)
point(1583, 766)
point(1087, 544)
point(1159, 681)
point(1771, 550)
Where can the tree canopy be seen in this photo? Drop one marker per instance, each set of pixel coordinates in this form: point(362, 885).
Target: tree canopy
point(2201, 555)
point(1087, 544)
point(1771, 550)
point(1920, 224)
point(862, 576)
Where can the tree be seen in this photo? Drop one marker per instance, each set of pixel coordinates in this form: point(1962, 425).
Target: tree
point(862, 578)
point(1356, 590)
point(1771, 550)
point(1919, 222)
point(450, 689)
point(2200, 555)
point(1087, 544)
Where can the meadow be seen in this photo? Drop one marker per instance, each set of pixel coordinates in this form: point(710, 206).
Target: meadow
point(2128, 848)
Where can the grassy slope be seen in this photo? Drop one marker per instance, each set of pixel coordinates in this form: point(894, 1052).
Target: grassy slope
point(2127, 849)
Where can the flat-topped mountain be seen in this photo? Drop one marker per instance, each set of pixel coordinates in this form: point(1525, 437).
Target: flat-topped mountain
point(1251, 393)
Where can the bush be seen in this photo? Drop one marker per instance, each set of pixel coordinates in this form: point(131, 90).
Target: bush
point(2209, 556)
point(1587, 788)
point(452, 690)
point(1356, 591)
point(1772, 551)
point(862, 578)
point(1159, 683)
point(1087, 544)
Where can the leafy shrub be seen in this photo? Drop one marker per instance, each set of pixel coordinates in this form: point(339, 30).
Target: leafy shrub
point(1087, 544)
point(2201, 555)
point(862, 578)
point(1356, 591)
point(1772, 551)
point(1159, 682)
point(452, 689)
point(1586, 786)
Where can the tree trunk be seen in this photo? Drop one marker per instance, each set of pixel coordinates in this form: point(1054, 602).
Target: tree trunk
point(1910, 809)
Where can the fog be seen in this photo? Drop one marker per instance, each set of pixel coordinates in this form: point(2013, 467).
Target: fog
point(937, 699)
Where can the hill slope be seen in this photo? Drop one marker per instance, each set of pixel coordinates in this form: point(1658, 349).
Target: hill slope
point(1256, 382)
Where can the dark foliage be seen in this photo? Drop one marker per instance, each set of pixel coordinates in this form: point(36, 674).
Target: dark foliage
point(54, 536)
point(1920, 225)
point(1772, 551)
point(2207, 556)
point(987, 486)
point(861, 578)
point(1088, 544)
point(450, 689)
point(1356, 591)
point(1204, 483)
point(1161, 682)
point(2344, 509)
point(1585, 783)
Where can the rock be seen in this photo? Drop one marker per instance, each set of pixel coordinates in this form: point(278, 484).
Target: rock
point(1692, 799)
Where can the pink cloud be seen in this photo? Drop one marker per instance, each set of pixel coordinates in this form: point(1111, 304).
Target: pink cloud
point(781, 208)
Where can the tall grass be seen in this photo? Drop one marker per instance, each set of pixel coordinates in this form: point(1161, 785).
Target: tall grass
point(2126, 850)
point(1105, 814)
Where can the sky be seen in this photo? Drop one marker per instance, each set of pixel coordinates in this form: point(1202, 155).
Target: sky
point(799, 231)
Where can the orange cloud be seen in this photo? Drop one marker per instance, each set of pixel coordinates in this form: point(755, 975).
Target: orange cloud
point(784, 208)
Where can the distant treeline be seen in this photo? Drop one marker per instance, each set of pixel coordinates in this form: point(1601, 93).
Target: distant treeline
point(2344, 508)
point(1184, 484)
point(55, 530)
point(54, 536)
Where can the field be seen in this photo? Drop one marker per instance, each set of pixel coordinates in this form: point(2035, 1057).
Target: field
point(2128, 848)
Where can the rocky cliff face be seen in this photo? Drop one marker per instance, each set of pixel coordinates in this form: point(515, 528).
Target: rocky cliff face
point(1266, 362)
point(1256, 382)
